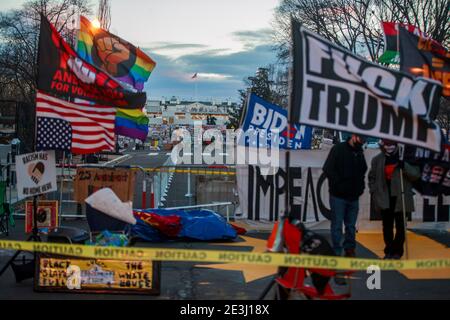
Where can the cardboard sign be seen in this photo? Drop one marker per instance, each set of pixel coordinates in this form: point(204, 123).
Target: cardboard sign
point(36, 174)
point(90, 180)
point(74, 275)
point(47, 215)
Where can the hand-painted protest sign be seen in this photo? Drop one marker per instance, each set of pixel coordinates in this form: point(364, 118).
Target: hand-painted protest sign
point(265, 124)
point(47, 215)
point(335, 89)
point(67, 274)
point(90, 180)
point(36, 174)
point(262, 197)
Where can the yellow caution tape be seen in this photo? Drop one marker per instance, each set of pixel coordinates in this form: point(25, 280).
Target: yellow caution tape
point(268, 259)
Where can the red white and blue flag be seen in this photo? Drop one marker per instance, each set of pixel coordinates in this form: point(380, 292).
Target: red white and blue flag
point(80, 128)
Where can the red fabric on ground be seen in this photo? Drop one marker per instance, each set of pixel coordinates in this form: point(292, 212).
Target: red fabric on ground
point(169, 226)
point(239, 230)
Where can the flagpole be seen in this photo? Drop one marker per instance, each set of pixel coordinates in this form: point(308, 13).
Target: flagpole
point(398, 44)
point(61, 187)
point(196, 87)
point(289, 114)
point(402, 186)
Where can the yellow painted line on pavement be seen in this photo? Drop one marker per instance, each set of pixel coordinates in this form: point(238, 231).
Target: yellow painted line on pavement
point(250, 273)
point(419, 247)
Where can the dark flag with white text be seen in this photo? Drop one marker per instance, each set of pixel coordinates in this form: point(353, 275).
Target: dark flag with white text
point(425, 57)
point(63, 74)
point(336, 89)
point(435, 169)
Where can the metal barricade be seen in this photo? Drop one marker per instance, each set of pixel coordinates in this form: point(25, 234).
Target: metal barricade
point(228, 206)
point(168, 186)
point(190, 186)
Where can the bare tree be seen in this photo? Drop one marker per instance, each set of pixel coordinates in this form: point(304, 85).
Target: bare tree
point(443, 117)
point(104, 14)
point(269, 83)
point(19, 36)
point(431, 16)
point(356, 24)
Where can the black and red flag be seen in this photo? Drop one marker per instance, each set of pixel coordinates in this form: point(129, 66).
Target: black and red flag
point(63, 74)
point(425, 57)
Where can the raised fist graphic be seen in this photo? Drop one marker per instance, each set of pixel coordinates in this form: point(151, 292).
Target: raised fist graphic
point(112, 54)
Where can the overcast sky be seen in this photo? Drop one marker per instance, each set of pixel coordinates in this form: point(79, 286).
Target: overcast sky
point(221, 40)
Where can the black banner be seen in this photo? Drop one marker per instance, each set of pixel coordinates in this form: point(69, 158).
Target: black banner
point(435, 170)
point(335, 89)
point(271, 190)
point(63, 74)
point(426, 58)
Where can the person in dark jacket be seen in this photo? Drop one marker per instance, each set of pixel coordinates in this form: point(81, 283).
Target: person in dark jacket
point(345, 169)
point(386, 194)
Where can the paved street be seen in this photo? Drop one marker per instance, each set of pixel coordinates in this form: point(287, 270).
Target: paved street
point(225, 282)
point(130, 131)
point(214, 281)
point(177, 187)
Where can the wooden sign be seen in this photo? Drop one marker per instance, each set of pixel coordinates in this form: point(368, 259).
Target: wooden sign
point(90, 180)
point(78, 275)
point(47, 215)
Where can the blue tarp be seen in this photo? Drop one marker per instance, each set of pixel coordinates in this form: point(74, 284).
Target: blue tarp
point(204, 225)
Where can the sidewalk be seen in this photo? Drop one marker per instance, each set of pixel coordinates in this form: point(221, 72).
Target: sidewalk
point(194, 281)
point(362, 226)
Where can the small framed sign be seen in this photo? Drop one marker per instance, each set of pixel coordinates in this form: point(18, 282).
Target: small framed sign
point(79, 275)
point(47, 215)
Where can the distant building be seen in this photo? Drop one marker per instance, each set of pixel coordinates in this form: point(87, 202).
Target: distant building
point(7, 117)
point(185, 113)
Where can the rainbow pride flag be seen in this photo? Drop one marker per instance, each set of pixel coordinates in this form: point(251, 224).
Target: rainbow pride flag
point(132, 123)
point(112, 54)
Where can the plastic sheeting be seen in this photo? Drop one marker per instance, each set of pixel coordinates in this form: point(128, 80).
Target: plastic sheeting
point(202, 225)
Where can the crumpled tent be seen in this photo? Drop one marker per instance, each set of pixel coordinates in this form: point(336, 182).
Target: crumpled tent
point(203, 225)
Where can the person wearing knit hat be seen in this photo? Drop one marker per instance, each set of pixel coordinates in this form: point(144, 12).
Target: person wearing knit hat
point(386, 194)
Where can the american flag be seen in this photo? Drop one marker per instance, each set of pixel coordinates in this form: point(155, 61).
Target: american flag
point(80, 128)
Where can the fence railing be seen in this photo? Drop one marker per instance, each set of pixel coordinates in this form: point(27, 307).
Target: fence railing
point(168, 186)
point(227, 205)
